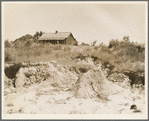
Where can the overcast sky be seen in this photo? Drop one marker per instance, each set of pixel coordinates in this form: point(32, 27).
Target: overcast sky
point(86, 21)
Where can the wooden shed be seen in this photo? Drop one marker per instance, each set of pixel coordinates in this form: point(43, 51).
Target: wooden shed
point(58, 38)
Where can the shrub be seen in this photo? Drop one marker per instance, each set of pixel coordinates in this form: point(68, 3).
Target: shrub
point(96, 48)
point(48, 45)
point(28, 43)
point(94, 43)
point(138, 67)
point(37, 52)
point(105, 49)
point(67, 48)
point(20, 54)
point(84, 44)
point(83, 68)
point(57, 55)
point(107, 64)
point(7, 44)
point(58, 47)
point(76, 43)
point(8, 57)
point(48, 51)
point(113, 43)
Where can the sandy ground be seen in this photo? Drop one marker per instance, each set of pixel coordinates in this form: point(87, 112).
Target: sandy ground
point(45, 99)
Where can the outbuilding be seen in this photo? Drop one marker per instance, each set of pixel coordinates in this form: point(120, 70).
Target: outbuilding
point(57, 38)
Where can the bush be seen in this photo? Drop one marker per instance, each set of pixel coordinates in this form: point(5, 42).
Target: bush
point(58, 47)
point(48, 51)
point(127, 50)
point(7, 44)
point(8, 57)
point(113, 43)
point(28, 43)
point(94, 43)
point(20, 54)
point(83, 68)
point(96, 48)
point(84, 44)
point(105, 49)
point(37, 52)
point(57, 55)
point(76, 43)
point(67, 48)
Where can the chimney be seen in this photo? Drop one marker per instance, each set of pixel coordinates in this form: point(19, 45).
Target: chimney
point(56, 32)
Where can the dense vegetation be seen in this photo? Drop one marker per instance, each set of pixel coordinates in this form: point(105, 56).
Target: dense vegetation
point(123, 55)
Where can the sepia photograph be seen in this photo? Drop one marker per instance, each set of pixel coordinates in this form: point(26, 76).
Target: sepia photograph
point(74, 60)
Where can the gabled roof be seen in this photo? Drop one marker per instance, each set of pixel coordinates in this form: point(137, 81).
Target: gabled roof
point(53, 36)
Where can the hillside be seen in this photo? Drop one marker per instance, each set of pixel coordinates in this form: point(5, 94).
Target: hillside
point(108, 77)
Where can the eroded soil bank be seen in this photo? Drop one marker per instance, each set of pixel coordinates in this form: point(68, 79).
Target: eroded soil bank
point(50, 88)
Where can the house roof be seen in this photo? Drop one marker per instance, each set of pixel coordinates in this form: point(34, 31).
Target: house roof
point(53, 36)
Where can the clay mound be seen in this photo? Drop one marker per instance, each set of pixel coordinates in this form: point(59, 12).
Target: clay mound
point(94, 84)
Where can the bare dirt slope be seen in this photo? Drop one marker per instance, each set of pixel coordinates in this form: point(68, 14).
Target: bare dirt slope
point(53, 89)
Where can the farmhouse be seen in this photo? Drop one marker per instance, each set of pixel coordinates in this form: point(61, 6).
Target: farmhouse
point(58, 38)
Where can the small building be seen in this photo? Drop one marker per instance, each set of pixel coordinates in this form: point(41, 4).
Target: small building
point(58, 38)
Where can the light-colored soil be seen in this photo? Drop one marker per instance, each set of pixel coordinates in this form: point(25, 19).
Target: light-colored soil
point(63, 92)
point(46, 99)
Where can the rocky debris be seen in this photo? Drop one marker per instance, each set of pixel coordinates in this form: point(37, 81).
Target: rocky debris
point(120, 79)
point(133, 107)
point(137, 111)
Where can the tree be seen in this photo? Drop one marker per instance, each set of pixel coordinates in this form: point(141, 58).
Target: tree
point(7, 44)
point(37, 35)
point(113, 43)
point(101, 44)
point(40, 33)
point(94, 43)
point(126, 38)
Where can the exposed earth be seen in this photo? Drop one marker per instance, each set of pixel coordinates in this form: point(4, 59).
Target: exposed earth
point(50, 88)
